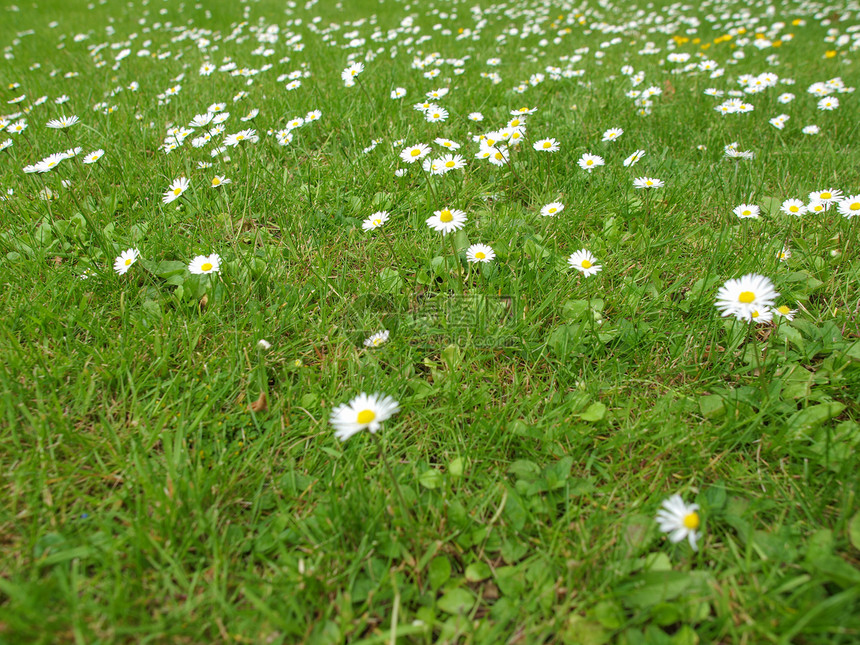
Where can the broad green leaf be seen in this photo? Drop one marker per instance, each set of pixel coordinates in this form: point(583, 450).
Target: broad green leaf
point(439, 571)
point(478, 571)
point(456, 601)
point(431, 478)
point(594, 412)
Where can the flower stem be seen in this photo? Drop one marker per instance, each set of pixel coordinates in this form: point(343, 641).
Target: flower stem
point(383, 457)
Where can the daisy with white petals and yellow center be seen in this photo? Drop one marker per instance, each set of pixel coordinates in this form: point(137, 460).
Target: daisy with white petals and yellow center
point(205, 264)
point(364, 412)
point(375, 221)
point(680, 521)
point(447, 220)
point(125, 260)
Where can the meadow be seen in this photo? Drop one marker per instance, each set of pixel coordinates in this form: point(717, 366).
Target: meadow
point(441, 322)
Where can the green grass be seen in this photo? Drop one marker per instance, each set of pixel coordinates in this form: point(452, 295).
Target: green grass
point(166, 479)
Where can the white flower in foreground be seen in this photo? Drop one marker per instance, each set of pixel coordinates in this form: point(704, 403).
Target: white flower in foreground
point(447, 220)
point(249, 135)
point(219, 180)
point(94, 156)
point(635, 157)
point(375, 221)
point(415, 153)
point(363, 412)
point(793, 207)
point(179, 186)
point(551, 210)
point(680, 521)
point(647, 182)
point(584, 262)
point(850, 206)
point(377, 339)
point(784, 311)
point(205, 264)
point(827, 196)
point(612, 134)
point(480, 253)
point(125, 260)
point(746, 211)
point(590, 162)
point(546, 145)
point(62, 122)
point(741, 297)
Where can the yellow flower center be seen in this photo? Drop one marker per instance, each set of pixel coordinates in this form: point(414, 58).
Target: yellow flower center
point(177, 191)
point(128, 262)
point(746, 213)
point(552, 210)
point(826, 195)
point(793, 209)
point(377, 222)
point(415, 152)
point(480, 255)
point(586, 264)
point(206, 266)
point(547, 144)
point(446, 216)
point(649, 183)
point(691, 521)
point(450, 164)
point(746, 297)
point(499, 156)
point(755, 314)
point(216, 181)
point(589, 162)
point(239, 137)
point(515, 123)
point(783, 309)
point(366, 416)
point(854, 206)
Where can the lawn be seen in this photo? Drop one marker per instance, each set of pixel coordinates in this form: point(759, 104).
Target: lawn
point(398, 322)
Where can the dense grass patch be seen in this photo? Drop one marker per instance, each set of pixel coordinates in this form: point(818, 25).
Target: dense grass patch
point(184, 313)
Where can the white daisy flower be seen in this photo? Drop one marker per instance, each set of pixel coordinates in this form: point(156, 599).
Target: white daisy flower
point(584, 262)
point(363, 412)
point(205, 264)
point(377, 339)
point(740, 297)
point(447, 220)
point(125, 260)
point(680, 521)
point(480, 253)
point(552, 209)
